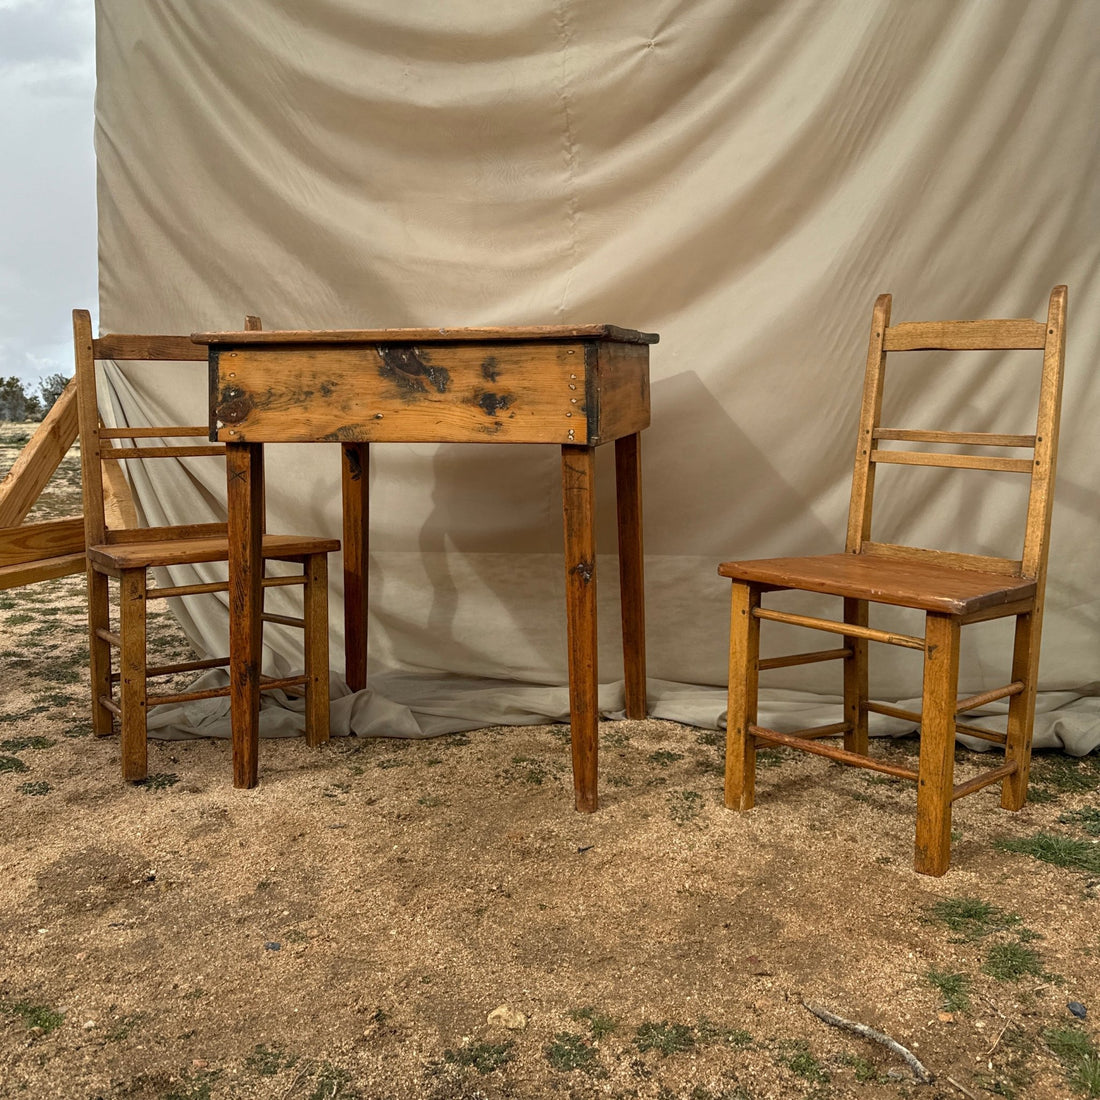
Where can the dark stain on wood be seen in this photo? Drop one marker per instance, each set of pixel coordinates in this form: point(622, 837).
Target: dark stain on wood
point(355, 467)
point(412, 370)
point(493, 403)
point(234, 405)
point(346, 433)
point(584, 570)
point(490, 368)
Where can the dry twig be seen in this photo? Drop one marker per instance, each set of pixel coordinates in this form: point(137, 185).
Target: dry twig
point(920, 1071)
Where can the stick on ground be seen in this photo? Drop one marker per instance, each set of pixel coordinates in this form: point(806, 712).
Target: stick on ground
point(911, 1060)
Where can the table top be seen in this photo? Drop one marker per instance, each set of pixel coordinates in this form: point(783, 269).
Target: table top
point(504, 334)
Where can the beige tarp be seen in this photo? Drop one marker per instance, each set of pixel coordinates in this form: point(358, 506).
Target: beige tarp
point(741, 176)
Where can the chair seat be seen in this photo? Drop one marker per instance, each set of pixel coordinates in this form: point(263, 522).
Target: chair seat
point(928, 586)
point(137, 555)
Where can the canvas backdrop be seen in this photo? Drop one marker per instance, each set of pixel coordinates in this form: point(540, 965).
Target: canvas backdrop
point(742, 177)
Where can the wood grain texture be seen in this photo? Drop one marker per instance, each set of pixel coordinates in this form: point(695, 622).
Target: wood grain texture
point(154, 348)
point(501, 334)
point(740, 777)
point(952, 461)
point(579, 517)
point(936, 768)
point(132, 692)
point(31, 542)
point(966, 335)
point(929, 587)
point(44, 569)
point(355, 490)
point(628, 499)
point(315, 601)
point(856, 678)
point(185, 551)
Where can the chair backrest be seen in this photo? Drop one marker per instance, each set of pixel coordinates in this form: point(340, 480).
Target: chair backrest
point(103, 449)
point(1039, 466)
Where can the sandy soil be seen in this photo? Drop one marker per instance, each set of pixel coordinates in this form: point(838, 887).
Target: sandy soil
point(347, 928)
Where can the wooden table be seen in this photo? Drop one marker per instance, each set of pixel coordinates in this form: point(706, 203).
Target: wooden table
point(576, 386)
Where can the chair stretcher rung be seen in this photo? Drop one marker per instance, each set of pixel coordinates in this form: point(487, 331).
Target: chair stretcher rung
point(187, 666)
point(851, 630)
point(971, 439)
point(975, 701)
point(282, 582)
point(914, 716)
point(961, 790)
point(283, 620)
point(842, 756)
point(108, 636)
point(186, 590)
point(111, 705)
point(814, 732)
point(803, 658)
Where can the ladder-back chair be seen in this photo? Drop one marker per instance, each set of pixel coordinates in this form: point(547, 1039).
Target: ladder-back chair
point(952, 589)
point(126, 554)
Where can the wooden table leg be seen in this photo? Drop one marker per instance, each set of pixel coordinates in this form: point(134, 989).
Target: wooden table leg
point(356, 547)
point(628, 501)
point(245, 467)
point(578, 474)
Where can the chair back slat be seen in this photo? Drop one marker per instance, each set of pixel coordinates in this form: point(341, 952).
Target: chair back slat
point(122, 454)
point(966, 336)
point(957, 336)
point(172, 431)
point(163, 534)
point(982, 563)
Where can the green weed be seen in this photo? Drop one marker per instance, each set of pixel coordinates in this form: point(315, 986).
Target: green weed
point(797, 1058)
point(34, 1015)
point(972, 918)
point(484, 1057)
point(662, 757)
point(1088, 819)
point(267, 1061)
point(1009, 962)
point(34, 789)
point(158, 781)
point(1079, 1057)
point(12, 764)
point(23, 744)
point(953, 988)
point(684, 806)
point(1077, 855)
point(570, 1051)
point(666, 1038)
point(599, 1024)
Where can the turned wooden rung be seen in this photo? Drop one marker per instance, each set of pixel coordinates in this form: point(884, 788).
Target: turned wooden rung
point(840, 755)
point(186, 590)
point(803, 659)
point(833, 627)
point(283, 620)
point(111, 705)
point(187, 666)
point(813, 732)
point(975, 701)
point(915, 717)
point(109, 637)
point(961, 790)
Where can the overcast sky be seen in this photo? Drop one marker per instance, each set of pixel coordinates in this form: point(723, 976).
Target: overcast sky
point(47, 182)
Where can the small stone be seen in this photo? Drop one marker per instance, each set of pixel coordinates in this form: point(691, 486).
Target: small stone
point(273, 945)
point(199, 1063)
point(88, 1025)
point(1077, 1009)
point(506, 1016)
point(946, 1017)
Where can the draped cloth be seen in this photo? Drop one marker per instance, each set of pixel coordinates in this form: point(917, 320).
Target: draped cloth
point(743, 177)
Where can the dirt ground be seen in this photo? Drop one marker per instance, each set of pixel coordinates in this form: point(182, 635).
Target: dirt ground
point(346, 929)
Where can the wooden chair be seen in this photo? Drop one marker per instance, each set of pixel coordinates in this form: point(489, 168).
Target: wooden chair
point(127, 553)
point(952, 589)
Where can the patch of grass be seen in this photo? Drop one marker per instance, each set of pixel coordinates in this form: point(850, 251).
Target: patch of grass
point(953, 988)
point(1078, 855)
point(34, 789)
point(864, 1071)
point(124, 1026)
point(796, 1056)
point(663, 757)
point(267, 1061)
point(1009, 962)
point(530, 770)
point(708, 1032)
point(1079, 1057)
point(12, 764)
point(484, 1057)
point(35, 1015)
point(666, 1038)
point(23, 744)
point(1088, 819)
point(21, 617)
point(193, 1088)
point(599, 1023)
point(768, 758)
point(1066, 774)
point(158, 781)
point(972, 918)
point(570, 1051)
point(684, 806)
point(333, 1083)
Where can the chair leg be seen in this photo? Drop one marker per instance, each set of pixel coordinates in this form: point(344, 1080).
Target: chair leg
point(99, 651)
point(315, 613)
point(132, 694)
point(741, 713)
point(1021, 712)
point(936, 771)
point(856, 680)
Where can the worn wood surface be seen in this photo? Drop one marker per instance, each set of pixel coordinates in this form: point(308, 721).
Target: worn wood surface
point(315, 611)
point(903, 583)
point(185, 551)
point(512, 393)
point(482, 335)
point(33, 542)
point(628, 497)
point(578, 467)
point(132, 689)
point(740, 778)
point(966, 335)
point(355, 491)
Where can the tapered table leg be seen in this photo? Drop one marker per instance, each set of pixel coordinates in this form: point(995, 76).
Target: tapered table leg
point(578, 468)
point(245, 468)
point(356, 547)
point(628, 502)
